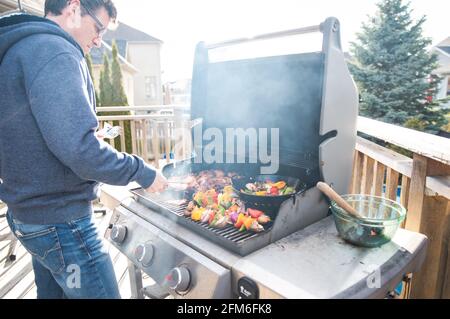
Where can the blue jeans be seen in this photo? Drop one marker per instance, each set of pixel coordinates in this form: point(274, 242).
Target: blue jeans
point(69, 260)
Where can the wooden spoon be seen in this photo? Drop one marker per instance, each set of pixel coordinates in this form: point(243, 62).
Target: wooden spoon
point(331, 194)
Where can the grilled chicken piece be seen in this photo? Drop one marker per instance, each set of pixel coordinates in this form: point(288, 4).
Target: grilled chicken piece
point(219, 174)
point(256, 227)
point(263, 219)
point(221, 223)
point(205, 216)
point(190, 207)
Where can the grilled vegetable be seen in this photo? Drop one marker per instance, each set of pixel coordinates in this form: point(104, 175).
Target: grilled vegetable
point(254, 213)
point(211, 197)
point(274, 191)
point(261, 193)
point(198, 198)
point(268, 189)
point(288, 190)
point(240, 221)
point(212, 215)
point(228, 189)
point(214, 220)
point(225, 200)
point(197, 213)
point(280, 185)
point(248, 222)
point(233, 217)
point(220, 209)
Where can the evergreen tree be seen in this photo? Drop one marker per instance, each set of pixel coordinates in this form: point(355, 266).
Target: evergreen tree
point(393, 69)
point(89, 65)
point(118, 94)
point(112, 93)
point(105, 83)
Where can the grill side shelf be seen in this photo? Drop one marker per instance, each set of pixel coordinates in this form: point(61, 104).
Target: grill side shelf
point(228, 237)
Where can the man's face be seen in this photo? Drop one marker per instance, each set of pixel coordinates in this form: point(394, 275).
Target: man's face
point(89, 29)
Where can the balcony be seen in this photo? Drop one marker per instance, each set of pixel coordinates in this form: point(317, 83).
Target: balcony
point(421, 183)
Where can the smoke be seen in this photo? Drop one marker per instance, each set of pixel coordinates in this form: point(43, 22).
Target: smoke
point(266, 110)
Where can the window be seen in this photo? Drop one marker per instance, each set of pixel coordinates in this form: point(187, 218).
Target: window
point(150, 87)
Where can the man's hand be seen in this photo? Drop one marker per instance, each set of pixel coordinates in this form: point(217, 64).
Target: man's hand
point(99, 135)
point(159, 184)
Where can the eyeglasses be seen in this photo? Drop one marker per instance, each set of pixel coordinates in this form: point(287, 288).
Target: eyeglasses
point(100, 28)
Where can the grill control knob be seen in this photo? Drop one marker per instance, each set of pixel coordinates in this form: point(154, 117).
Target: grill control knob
point(179, 279)
point(144, 254)
point(118, 233)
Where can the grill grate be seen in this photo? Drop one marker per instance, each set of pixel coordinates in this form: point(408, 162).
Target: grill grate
point(229, 233)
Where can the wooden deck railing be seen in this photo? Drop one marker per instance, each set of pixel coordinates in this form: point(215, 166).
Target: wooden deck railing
point(423, 184)
point(155, 135)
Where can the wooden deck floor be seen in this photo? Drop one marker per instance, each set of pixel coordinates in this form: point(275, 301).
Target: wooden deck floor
point(17, 277)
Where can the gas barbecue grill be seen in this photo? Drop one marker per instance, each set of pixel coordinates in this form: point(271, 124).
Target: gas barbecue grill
point(312, 100)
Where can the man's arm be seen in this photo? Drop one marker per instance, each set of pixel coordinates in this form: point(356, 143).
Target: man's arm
point(60, 104)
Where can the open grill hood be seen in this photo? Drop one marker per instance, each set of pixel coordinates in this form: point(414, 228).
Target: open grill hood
point(310, 97)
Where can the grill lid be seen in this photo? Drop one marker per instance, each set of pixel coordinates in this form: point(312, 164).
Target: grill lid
point(309, 97)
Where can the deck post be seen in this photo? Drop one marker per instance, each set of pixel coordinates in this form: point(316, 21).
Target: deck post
point(429, 216)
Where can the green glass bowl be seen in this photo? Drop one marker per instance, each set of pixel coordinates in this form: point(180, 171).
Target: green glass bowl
point(380, 219)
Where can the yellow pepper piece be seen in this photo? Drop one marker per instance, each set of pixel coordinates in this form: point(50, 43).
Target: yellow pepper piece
point(197, 213)
point(261, 193)
point(228, 189)
point(248, 222)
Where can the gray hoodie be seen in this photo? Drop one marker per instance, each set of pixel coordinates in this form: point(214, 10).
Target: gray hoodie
point(51, 163)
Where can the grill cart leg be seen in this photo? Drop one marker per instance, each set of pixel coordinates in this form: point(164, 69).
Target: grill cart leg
point(135, 281)
point(155, 292)
point(13, 242)
point(12, 248)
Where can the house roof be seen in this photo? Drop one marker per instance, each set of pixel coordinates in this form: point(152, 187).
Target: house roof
point(122, 47)
point(446, 49)
point(129, 34)
point(444, 43)
point(97, 56)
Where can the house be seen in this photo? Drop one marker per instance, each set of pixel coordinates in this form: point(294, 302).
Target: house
point(129, 71)
point(443, 52)
point(141, 57)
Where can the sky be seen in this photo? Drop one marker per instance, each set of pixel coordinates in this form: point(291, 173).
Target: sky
point(181, 24)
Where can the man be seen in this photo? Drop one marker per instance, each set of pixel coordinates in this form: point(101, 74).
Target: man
point(50, 158)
